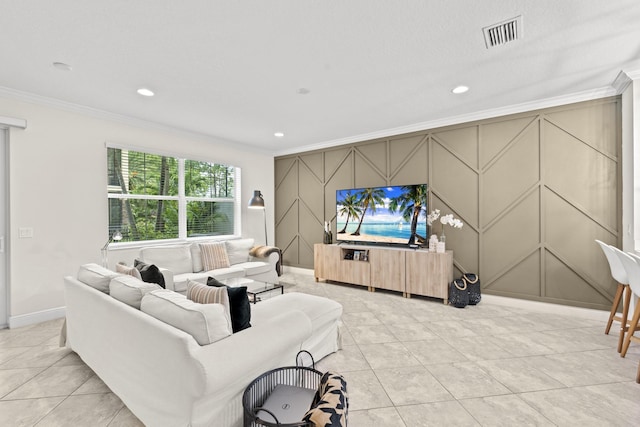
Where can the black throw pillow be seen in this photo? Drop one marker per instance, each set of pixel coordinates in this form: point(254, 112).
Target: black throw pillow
point(240, 307)
point(149, 272)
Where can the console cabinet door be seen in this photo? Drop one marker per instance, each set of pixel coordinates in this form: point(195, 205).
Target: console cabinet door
point(325, 258)
point(387, 269)
point(429, 273)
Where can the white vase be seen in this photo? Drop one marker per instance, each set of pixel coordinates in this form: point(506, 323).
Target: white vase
point(440, 248)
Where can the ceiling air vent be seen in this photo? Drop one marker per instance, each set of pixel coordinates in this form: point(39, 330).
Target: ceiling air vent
point(503, 32)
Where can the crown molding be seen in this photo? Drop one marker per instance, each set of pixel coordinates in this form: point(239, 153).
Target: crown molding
point(120, 118)
point(587, 95)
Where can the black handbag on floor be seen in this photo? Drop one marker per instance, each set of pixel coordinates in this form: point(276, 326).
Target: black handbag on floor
point(458, 294)
point(473, 286)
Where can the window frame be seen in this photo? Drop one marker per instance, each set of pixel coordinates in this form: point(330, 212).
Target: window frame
point(181, 198)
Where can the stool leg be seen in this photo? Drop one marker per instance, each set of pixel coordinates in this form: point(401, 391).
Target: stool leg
point(638, 374)
point(632, 328)
point(614, 307)
point(625, 316)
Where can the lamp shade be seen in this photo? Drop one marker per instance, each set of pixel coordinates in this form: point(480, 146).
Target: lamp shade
point(256, 202)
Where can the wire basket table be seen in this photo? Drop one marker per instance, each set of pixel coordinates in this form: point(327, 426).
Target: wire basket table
point(259, 390)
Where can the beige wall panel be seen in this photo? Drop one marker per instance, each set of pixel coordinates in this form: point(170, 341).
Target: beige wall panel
point(511, 238)
point(463, 142)
point(494, 137)
point(595, 125)
point(565, 286)
point(414, 170)
point(287, 235)
point(367, 175)
point(336, 159)
point(282, 167)
point(582, 175)
point(311, 231)
point(314, 163)
point(286, 190)
point(375, 153)
point(522, 281)
point(402, 148)
point(532, 243)
point(515, 172)
point(571, 236)
point(342, 178)
point(456, 182)
point(308, 192)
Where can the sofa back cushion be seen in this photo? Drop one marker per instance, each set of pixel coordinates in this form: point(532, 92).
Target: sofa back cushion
point(207, 323)
point(130, 290)
point(214, 255)
point(176, 259)
point(238, 250)
point(96, 276)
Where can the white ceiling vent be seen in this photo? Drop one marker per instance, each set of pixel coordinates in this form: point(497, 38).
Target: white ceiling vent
point(503, 32)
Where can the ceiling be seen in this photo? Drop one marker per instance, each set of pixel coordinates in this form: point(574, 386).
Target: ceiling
point(233, 70)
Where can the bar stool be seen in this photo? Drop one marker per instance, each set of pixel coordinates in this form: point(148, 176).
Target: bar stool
point(619, 273)
point(631, 263)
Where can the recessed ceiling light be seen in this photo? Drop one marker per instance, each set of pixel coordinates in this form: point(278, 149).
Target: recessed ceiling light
point(460, 89)
point(62, 66)
point(278, 134)
point(145, 92)
point(303, 91)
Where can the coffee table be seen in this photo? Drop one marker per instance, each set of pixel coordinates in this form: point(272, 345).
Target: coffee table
point(255, 288)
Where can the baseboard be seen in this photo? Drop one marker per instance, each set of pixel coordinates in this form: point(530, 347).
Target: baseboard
point(37, 317)
point(544, 307)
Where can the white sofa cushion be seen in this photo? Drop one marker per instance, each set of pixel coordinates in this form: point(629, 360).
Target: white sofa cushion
point(214, 255)
point(255, 267)
point(207, 323)
point(176, 258)
point(96, 276)
point(238, 250)
point(130, 290)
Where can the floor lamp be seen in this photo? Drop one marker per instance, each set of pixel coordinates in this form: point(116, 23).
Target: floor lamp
point(116, 236)
point(257, 202)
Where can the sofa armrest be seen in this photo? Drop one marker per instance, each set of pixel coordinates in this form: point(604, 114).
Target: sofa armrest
point(168, 278)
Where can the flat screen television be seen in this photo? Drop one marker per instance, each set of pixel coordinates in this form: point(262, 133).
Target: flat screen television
point(390, 215)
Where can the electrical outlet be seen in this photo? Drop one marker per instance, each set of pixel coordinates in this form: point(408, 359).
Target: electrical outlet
point(25, 232)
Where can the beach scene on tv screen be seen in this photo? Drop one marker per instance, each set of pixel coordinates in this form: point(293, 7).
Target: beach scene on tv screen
point(393, 215)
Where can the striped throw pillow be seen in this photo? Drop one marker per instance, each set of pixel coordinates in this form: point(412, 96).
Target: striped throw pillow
point(203, 294)
point(131, 271)
point(214, 256)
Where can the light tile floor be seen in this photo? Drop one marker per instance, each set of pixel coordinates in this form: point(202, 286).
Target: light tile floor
point(408, 362)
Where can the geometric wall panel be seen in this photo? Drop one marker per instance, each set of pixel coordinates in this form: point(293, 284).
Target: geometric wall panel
point(496, 136)
point(534, 191)
point(508, 178)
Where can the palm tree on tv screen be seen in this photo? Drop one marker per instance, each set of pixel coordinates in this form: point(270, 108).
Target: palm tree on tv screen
point(411, 204)
point(368, 197)
point(349, 208)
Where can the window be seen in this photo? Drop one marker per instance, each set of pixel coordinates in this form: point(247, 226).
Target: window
point(155, 197)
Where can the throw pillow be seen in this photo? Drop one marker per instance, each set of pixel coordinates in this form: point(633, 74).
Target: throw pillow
point(149, 272)
point(331, 402)
point(205, 322)
point(130, 290)
point(240, 307)
point(214, 256)
point(238, 250)
point(125, 269)
point(203, 294)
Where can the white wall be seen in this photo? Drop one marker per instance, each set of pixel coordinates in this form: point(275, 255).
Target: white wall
point(58, 188)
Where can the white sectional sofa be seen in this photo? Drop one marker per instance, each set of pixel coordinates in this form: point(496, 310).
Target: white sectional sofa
point(161, 372)
point(181, 263)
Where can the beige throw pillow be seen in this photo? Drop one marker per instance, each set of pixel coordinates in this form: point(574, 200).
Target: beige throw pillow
point(131, 271)
point(203, 294)
point(214, 256)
